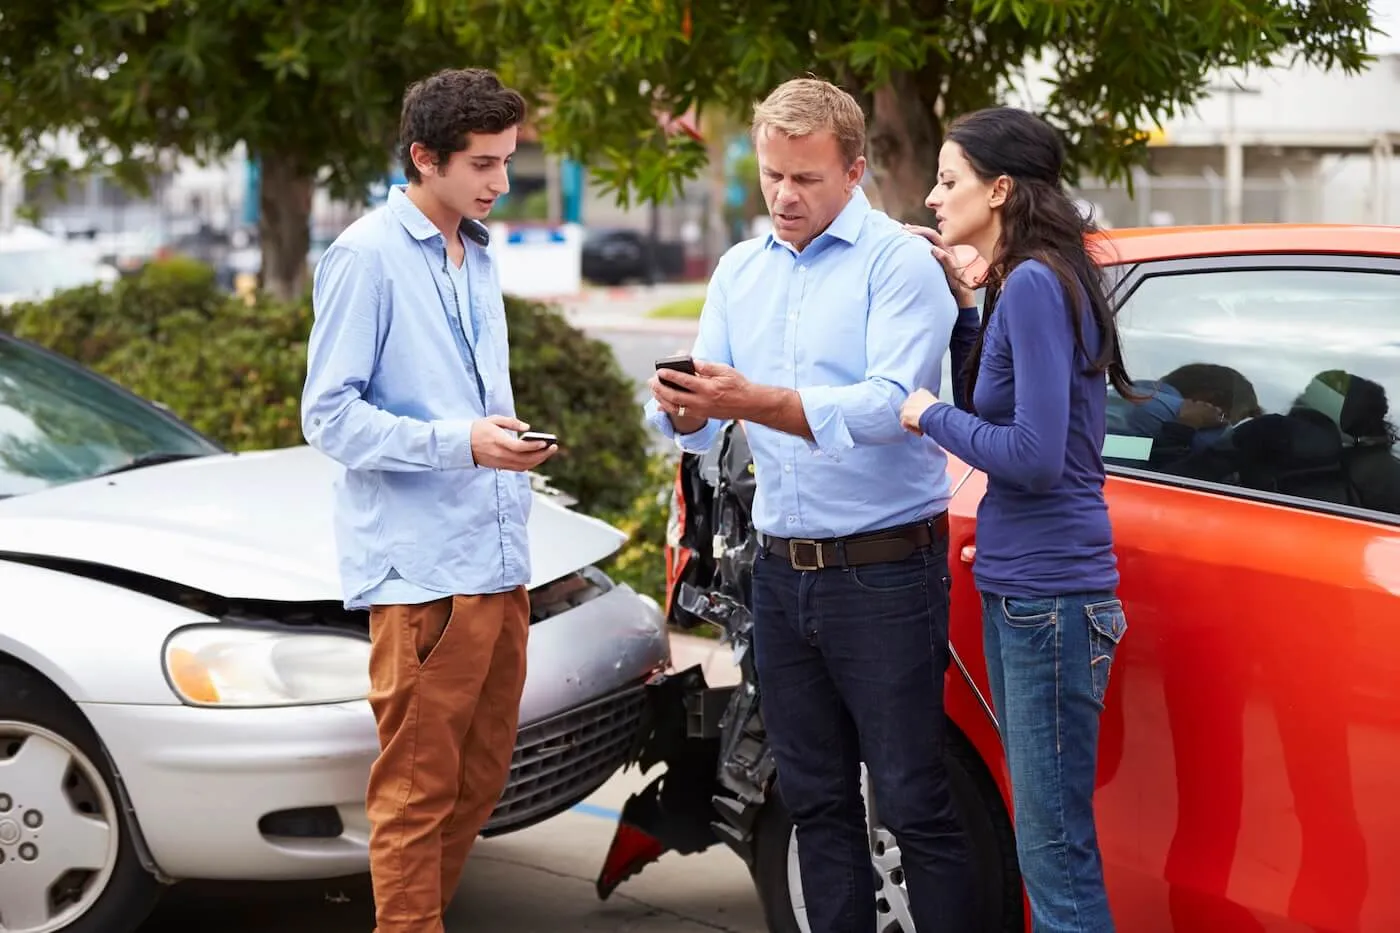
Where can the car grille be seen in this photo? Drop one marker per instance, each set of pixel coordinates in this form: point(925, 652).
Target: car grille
point(562, 760)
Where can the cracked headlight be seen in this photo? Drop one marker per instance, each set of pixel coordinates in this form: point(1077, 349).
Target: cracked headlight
point(225, 665)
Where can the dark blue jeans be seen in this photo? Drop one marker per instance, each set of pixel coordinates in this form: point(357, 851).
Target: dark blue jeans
point(850, 664)
point(1048, 662)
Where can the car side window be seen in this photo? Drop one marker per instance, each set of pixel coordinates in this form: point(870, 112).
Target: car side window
point(1276, 380)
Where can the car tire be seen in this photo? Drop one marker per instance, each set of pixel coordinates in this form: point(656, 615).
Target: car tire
point(37, 720)
point(985, 819)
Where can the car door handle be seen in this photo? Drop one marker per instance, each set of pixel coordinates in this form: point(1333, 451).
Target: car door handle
point(969, 554)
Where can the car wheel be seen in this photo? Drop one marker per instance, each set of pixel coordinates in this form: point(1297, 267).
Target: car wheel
point(779, 881)
point(67, 858)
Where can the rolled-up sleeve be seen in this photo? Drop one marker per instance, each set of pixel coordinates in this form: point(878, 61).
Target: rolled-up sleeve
point(335, 417)
point(711, 344)
point(911, 319)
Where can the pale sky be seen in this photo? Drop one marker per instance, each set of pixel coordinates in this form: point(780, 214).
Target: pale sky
point(1386, 14)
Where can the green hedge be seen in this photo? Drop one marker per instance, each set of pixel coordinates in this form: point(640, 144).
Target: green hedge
point(234, 369)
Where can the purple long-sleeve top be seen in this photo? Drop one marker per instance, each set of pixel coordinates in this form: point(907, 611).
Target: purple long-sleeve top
point(1042, 527)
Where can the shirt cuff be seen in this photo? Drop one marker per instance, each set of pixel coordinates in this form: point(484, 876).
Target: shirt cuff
point(696, 443)
point(821, 405)
point(454, 444)
point(658, 420)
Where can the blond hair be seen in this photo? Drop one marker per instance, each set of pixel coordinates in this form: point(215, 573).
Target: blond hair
point(804, 106)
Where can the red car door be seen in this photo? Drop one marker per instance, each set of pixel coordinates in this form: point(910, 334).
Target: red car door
point(1254, 718)
point(1252, 725)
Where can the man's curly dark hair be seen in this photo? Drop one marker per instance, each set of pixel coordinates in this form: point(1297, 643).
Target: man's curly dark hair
point(441, 111)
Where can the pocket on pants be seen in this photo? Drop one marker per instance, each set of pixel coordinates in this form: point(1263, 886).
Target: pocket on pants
point(430, 625)
point(1030, 611)
point(1107, 626)
point(905, 576)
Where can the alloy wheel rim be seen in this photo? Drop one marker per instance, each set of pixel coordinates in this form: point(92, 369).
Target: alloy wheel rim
point(892, 914)
point(59, 830)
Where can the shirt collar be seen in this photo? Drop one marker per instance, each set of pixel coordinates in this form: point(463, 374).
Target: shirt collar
point(848, 223)
point(415, 221)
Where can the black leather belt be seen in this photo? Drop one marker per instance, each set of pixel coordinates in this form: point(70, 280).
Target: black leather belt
point(876, 547)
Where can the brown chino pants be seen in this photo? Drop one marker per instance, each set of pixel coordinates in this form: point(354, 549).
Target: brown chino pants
point(445, 685)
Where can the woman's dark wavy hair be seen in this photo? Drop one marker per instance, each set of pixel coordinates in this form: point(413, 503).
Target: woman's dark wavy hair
point(1038, 221)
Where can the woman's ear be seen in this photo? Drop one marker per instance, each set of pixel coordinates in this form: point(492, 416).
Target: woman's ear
point(1001, 190)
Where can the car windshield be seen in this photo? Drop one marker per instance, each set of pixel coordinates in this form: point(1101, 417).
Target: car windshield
point(40, 272)
point(60, 423)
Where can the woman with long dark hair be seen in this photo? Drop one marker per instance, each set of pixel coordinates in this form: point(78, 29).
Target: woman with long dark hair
point(1044, 564)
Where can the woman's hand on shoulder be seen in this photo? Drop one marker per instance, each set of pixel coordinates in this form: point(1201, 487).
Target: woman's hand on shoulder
point(963, 292)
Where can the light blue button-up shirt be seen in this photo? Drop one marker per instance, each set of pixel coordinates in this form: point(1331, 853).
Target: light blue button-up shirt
point(395, 378)
point(853, 323)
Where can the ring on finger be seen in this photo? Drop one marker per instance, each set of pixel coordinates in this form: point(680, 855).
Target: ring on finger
point(681, 411)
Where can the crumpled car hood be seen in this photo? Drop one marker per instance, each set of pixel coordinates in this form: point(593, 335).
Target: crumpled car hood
point(242, 526)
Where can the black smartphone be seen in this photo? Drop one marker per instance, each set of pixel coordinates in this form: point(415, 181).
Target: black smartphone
point(681, 363)
point(549, 439)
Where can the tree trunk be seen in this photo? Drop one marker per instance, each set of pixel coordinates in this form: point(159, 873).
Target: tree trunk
point(904, 138)
point(284, 224)
point(717, 126)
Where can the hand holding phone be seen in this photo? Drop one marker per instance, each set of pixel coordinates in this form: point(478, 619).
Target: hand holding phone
point(681, 363)
point(496, 445)
point(550, 440)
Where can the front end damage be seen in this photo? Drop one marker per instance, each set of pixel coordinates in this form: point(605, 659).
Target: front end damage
point(718, 767)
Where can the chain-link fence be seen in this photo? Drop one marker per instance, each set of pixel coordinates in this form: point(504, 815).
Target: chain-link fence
point(1202, 199)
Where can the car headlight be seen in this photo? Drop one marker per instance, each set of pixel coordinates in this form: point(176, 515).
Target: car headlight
point(224, 665)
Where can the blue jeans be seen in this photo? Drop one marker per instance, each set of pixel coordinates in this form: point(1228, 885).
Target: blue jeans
point(850, 663)
point(1048, 661)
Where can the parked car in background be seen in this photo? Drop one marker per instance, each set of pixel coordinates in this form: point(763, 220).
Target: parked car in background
point(613, 256)
point(1252, 721)
point(182, 694)
point(618, 255)
point(35, 264)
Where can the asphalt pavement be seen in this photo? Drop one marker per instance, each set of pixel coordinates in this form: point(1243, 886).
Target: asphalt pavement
point(539, 880)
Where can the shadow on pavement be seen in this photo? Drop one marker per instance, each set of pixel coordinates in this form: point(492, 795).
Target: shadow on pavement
point(340, 905)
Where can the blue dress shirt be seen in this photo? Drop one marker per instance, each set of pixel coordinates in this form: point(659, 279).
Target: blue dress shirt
point(399, 365)
point(853, 323)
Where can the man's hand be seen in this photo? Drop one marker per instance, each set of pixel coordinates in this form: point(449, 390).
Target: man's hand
point(494, 446)
point(918, 402)
point(715, 391)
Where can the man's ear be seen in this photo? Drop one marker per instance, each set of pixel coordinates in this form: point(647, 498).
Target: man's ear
point(424, 158)
point(855, 173)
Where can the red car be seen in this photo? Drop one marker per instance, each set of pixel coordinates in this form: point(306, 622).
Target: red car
point(1252, 725)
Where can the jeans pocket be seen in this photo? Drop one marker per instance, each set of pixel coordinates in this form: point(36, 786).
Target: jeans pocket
point(1107, 626)
point(1030, 611)
point(905, 576)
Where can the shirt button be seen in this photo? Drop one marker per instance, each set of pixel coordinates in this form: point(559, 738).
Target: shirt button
point(801, 268)
point(787, 467)
point(792, 519)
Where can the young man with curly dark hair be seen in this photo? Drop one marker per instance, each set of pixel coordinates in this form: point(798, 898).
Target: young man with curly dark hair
point(408, 388)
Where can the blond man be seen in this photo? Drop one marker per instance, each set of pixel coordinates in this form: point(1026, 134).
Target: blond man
point(814, 334)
